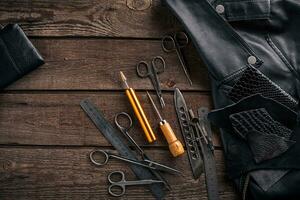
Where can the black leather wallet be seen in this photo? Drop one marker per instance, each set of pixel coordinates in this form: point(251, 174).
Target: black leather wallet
point(17, 55)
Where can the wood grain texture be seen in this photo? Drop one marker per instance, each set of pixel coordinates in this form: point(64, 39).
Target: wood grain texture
point(57, 118)
point(93, 64)
point(105, 18)
point(67, 173)
point(45, 137)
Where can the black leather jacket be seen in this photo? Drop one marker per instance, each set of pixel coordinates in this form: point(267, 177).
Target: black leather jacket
point(231, 35)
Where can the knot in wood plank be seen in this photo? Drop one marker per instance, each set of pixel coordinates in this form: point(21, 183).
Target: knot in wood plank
point(6, 165)
point(138, 4)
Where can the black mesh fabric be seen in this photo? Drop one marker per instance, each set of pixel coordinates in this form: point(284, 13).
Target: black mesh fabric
point(252, 81)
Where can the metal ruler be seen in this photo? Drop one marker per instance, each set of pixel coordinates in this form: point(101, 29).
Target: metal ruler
point(114, 137)
point(208, 156)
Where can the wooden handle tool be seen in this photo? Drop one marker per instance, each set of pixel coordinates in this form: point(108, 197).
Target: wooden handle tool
point(175, 145)
point(138, 111)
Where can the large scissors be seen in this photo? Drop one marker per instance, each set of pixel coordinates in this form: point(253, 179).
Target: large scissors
point(107, 155)
point(146, 160)
point(144, 163)
point(156, 67)
point(118, 186)
point(176, 42)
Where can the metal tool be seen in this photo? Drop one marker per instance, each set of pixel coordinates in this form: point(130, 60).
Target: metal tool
point(113, 136)
point(203, 127)
point(175, 145)
point(147, 163)
point(156, 67)
point(124, 130)
point(118, 187)
point(146, 160)
point(188, 134)
point(207, 153)
point(138, 110)
point(175, 43)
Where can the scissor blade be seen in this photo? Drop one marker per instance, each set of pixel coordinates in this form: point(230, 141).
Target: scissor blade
point(140, 182)
point(161, 167)
point(183, 64)
point(162, 102)
point(156, 85)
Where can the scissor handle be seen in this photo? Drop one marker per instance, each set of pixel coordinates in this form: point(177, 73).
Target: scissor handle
point(143, 69)
point(117, 184)
point(127, 116)
point(182, 39)
point(168, 43)
point(94, 161)
point(158, 64)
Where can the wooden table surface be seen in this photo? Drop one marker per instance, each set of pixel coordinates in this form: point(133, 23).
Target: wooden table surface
point(45, 137)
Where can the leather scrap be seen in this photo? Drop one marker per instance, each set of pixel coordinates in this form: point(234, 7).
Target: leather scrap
point(253, 81)
point(267, 146)
point(257, 120)
point(279, 112)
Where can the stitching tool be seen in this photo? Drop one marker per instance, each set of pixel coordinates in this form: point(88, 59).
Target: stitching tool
point(176, 42)
point(138, 110)
point(175, 145)
point(156, 67)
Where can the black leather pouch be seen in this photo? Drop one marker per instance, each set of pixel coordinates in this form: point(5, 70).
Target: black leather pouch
point(17, 55)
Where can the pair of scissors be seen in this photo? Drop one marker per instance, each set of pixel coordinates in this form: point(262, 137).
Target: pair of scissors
point(118, 187)
point(176, 42)
point(125, 130)
point(156, 67)
point(147, 164)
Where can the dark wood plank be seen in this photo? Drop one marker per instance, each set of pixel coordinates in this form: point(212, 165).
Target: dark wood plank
point(57, 119)
point(113, 18)
point(45, 137)
point(93, 64)
point(67, 173)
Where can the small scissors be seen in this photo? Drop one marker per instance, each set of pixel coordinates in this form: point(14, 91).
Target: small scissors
point(120, 184)
point(157, 66)
point(176, 42)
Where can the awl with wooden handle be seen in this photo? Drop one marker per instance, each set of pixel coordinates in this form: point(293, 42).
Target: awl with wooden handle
point(175, 145)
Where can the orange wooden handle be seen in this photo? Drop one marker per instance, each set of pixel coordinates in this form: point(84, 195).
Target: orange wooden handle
point(175, 145)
